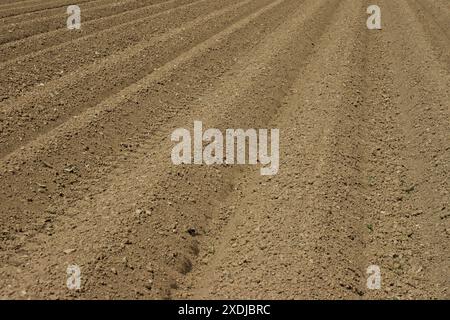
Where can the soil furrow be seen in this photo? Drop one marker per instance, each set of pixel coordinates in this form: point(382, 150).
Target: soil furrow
point(52, 12)
point(38, 8)
point(42, 105)
point(121, 103)
point(265, 235)
point(418, 260)
point(435, 25)
point(52, 62)
point(44, 30)
point(259, 15)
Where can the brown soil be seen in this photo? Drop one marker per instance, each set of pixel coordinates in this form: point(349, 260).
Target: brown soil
point(87, 179)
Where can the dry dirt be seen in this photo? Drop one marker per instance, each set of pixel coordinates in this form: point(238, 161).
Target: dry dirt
point(87, 179)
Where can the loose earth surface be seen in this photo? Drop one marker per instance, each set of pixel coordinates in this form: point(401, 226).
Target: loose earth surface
point(86, 172)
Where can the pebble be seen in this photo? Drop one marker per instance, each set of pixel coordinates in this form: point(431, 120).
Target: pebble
point(69, 251)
